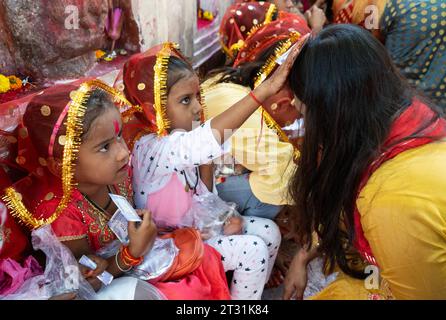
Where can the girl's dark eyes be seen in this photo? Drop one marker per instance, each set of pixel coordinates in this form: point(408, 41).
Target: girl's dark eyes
point(105, 148)
point(185, 100)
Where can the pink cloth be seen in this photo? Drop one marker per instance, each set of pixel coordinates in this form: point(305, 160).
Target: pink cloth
point(13, 274)
point(169, 204)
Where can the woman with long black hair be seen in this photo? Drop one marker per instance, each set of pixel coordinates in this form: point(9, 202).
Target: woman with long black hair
point(371, 178)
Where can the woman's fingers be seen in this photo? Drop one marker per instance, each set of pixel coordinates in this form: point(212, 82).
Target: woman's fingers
point(319, 3)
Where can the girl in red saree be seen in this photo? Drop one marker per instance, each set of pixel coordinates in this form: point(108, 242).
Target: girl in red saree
point(70, 140)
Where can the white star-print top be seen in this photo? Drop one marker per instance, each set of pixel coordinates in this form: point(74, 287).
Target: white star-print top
point(155, 159)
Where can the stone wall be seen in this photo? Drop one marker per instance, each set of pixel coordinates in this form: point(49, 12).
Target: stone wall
point(43, 38)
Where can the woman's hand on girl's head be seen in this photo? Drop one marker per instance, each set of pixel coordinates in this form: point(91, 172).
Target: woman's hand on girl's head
point(143, 236)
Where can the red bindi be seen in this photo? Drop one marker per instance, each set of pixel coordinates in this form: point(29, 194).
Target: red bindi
point(116, 124)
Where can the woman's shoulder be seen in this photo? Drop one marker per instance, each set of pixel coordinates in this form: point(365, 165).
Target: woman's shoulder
point(414, 179)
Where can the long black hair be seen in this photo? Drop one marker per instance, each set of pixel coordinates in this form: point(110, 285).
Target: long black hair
point(352, 92)
point(246, 73)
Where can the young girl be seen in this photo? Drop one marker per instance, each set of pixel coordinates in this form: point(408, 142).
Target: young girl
point(70, 140)
point(167, 163)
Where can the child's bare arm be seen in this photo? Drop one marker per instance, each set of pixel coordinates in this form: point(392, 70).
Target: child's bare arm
point(207, 175)
point(236, 115)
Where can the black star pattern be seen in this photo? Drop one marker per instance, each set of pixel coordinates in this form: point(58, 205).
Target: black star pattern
point(255, 243)
point(255, 291)
point(220, 241)
point(230, 240)
point(244, 252)
point(167, 167)
point(266, 226)
point(275, 248)
point(246, 231)
point(252, 221)
point(143, 193)
point(176, 170)
point(222, 258)
point(246, 287)
point(240, 264)
point(270, 244)
point(263, 261)
point(247, 269)
point(210, 157)
point(235, 281)
point(263, 270)
point(152, 158)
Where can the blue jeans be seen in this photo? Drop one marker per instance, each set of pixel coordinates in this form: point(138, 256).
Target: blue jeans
point(237, 189)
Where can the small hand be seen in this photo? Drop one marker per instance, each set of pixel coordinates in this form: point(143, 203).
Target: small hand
point(101, 266)
point(233, 225)
point(142, 237)
point(316, 18)
point(91, 275)
point(296, 279)
point(279, 78)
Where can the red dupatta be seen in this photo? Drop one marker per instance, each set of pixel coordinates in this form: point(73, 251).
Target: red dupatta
point(398, 141)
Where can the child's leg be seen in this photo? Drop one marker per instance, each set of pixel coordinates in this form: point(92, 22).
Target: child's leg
point(248, 256)
point(269, 232)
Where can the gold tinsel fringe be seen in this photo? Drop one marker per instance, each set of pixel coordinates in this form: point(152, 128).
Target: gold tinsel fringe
point(160, 87)
point(270, 13)
point(74, 124)
point(204, 108)
point(264, 72)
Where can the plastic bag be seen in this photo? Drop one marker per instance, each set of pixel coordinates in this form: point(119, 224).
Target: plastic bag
point(156, 262)
point(61, 276)
point(209, 214)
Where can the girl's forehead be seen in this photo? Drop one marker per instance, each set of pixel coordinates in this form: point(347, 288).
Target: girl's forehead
point(187, 83)
point(107, 125)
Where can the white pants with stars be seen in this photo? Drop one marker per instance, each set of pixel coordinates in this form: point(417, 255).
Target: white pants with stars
point(250, 255)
